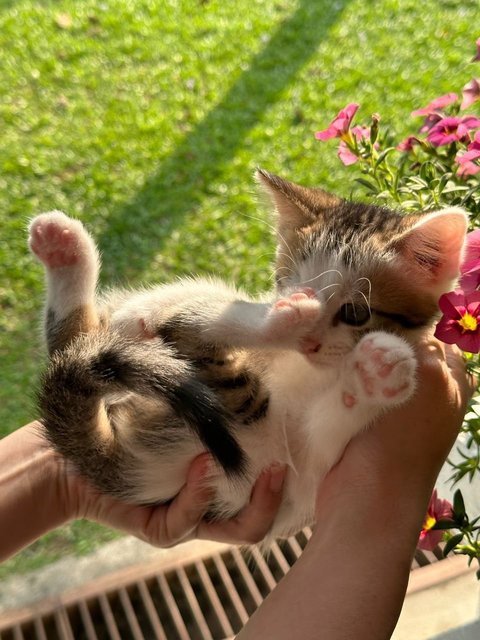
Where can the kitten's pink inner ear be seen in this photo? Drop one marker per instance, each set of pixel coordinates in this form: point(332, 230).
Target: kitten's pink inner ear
point(433, 247)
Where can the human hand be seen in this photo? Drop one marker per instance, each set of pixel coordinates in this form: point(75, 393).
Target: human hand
point(182, 519)
point(403, 451)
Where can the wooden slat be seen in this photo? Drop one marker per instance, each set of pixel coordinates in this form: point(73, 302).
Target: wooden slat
point(194, 606)
point(87, 620)
point(280, 558)
point(264, 569)
point(295, 547)
point(232, 591)
point(151, 611)
point(63, 624)
point(247, 576)
point(108, 617)
point(39, 629)
point(17, 633)
point(130, 615)
point(214, 599)
point(172, 608)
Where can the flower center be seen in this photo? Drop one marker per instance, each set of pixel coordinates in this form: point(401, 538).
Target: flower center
point(429, 523)
point(468, 322)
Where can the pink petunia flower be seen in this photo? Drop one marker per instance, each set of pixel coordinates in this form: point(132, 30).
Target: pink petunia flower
point(340, 125)
point(408, 143)
point(470, 93)
point(430, 121)
point(435, 105)
point(452, 129)
point(470, 267)
point(467, 159)
point(346, 155)
point(437, 510)
point(476, 57)
point(460, 323)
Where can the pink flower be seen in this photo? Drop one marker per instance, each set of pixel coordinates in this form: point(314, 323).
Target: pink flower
point(408, 143)
point(460, 323)
point(467, 160)
point(340, 126)
point(430, 121)
point(468, 169)
point(452, 129)
point(435, 105)
point(476, 57)
point(470, 267)
point(471, 93)
point(437, 510)
point(346, 155)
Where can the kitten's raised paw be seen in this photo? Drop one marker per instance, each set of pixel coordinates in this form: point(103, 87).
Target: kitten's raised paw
point(384, 368)
point(293, 316)
point(57, 240)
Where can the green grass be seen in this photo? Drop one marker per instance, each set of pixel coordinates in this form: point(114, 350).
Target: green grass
point(147, 119)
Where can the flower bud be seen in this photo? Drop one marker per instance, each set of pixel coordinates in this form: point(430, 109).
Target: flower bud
point(374, 128)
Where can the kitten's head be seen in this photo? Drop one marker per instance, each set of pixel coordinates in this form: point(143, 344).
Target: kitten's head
point(371, 267)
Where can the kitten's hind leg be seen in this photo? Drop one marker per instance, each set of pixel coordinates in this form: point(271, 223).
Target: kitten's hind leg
point(72, 264)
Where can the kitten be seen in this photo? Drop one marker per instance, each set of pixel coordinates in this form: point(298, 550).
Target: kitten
point(140, 382)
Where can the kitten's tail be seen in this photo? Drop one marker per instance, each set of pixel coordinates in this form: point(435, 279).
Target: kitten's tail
point(96, 365)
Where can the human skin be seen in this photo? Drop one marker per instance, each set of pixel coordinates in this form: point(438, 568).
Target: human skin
point(351, 580)
point(40, 491)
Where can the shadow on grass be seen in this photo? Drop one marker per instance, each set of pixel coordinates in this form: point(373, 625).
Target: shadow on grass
point(183, 178)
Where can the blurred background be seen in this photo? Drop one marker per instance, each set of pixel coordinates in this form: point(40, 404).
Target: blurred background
point(147, 118)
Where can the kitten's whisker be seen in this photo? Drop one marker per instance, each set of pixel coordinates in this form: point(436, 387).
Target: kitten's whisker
point(275, 230)
point(320, 275)
point(364, 297)
point(369, 287)
point(334, 284)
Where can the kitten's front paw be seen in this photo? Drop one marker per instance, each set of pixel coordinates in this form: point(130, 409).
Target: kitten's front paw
point(59, 241)
point(384, 370)
point(292, 317)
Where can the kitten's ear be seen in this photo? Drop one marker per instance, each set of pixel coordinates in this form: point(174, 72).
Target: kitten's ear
point(432, 248)
point(296, 206)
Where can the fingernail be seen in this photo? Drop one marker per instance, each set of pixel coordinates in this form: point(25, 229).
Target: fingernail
point(277, 477)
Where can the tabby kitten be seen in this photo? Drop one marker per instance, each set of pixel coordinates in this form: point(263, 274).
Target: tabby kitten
point(140, 382)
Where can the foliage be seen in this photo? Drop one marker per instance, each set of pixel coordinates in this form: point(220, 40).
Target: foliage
point(434, 167)
point(146, 120)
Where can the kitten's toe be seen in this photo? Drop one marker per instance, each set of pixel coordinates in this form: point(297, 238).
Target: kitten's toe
point(291, 318)
point(384, 367)
point(57, 240)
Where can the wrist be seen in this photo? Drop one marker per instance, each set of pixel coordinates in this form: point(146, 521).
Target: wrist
point(34, 489)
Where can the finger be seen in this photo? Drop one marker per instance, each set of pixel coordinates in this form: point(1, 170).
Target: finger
point(178, 522)
point(253, 522)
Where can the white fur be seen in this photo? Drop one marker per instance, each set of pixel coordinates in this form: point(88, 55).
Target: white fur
point(318, 402)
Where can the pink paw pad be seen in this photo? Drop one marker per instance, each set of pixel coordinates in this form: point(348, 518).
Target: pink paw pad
point(385, 368)
point(349, 400)
point(53, 243)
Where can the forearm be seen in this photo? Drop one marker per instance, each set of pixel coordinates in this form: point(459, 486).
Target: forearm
point(351, 579)
point(30, 488)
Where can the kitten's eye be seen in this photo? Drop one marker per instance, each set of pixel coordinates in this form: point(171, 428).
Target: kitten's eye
point(354, 314)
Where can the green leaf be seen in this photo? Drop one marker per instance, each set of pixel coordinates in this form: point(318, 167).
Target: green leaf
point(452, 543)
point(458, 505)
point(383, 155)
point(367, 184)
point(443, 525)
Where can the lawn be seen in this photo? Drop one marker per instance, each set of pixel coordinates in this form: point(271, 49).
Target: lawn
point(146, 120)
